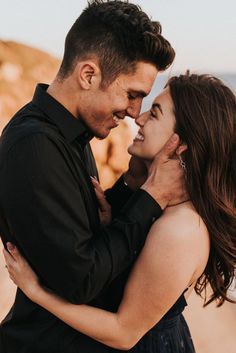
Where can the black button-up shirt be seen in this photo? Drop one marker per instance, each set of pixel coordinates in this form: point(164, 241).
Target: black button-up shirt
point(48, 208)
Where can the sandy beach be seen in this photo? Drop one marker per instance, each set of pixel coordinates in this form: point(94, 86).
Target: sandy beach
point(213, 329)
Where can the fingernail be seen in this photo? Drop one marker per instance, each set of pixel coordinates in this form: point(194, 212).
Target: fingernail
point(10, 246)
point(94, 180)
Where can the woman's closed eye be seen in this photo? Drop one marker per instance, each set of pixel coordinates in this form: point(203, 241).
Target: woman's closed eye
point(152, 114)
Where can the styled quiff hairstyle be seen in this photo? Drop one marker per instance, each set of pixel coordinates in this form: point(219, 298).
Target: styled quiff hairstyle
point(118, 34)
point(205, 111)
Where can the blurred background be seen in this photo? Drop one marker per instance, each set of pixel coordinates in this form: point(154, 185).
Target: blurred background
point(203, 34)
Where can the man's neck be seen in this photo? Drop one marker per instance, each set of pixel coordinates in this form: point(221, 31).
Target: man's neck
point(63, 92)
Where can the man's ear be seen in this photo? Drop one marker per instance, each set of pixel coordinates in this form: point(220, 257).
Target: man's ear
point(183, 147)
point(88, 74)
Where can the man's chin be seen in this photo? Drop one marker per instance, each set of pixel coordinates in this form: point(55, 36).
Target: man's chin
point(101, 135)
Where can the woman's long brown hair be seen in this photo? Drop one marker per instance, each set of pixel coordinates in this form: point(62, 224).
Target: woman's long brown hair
point(205, 111)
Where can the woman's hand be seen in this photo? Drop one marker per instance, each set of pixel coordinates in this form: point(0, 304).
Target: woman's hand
point(104, 206)
point(20, 271)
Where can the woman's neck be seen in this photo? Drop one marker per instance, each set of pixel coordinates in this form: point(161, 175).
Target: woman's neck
point(178, 203)
point(187, 199)
point(147, 163)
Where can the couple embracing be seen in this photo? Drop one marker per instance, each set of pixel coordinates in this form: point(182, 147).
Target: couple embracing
point(109, 271)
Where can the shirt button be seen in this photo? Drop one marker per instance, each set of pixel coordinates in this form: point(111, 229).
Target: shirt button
point(135, 252)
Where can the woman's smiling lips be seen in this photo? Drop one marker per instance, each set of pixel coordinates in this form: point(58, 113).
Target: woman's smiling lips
point(139, 137)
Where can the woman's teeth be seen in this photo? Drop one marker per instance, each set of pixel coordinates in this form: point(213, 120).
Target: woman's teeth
point(139, 137)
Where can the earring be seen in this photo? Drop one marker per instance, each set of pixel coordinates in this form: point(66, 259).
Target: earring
point(182, 163)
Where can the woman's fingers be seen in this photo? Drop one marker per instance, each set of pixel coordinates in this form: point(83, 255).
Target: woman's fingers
point(10, 264)
point(13, 258)
point(96, 184)
point(18, 268)
point(8, 258)
point(103, 204)
point(13, 251)
point(100, 194)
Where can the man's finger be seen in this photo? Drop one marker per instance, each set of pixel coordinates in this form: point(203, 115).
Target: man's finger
point(170, 147)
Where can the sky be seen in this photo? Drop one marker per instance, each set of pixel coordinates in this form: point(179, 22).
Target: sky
point(203, 32)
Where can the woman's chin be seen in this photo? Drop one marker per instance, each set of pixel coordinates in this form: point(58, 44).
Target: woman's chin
point(138, 152)
point(133, 151)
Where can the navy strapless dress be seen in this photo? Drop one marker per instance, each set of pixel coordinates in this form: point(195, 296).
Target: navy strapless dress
point(170, 335)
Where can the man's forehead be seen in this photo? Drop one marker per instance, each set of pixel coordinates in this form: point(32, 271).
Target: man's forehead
point(140, 81)
point(142, 88)
point(143, 77)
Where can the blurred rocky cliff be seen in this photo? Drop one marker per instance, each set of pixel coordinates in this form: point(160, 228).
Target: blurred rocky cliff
point(21, 67)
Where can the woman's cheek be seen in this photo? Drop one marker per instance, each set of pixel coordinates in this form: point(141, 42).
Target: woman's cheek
point(153, 150)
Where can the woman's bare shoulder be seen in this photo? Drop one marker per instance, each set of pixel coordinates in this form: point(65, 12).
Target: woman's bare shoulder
point(181, 220)
point(181, 235)
point(181, 227)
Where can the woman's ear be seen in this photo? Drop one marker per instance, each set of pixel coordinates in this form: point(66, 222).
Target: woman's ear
point(88, 74)
point(183, 147)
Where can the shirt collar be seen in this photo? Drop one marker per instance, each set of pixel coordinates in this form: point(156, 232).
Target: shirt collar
point(70, 127)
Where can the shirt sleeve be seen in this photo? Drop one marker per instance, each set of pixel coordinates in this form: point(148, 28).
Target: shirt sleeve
point(46, 216)
point(118, 195)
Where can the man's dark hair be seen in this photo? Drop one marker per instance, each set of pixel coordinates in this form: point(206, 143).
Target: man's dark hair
point(118, 34)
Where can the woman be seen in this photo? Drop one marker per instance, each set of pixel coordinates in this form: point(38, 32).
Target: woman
point(193, 244)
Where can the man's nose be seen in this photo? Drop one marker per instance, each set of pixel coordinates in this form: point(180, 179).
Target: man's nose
point(134, 110)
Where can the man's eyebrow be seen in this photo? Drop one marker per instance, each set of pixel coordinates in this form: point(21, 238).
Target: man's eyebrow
point(141, 93)
point(158, 106)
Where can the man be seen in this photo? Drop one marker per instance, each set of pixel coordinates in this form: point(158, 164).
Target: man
point(48, 207)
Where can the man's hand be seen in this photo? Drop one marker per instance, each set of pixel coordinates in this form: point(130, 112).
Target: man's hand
point(165, 182)
point(137, 173)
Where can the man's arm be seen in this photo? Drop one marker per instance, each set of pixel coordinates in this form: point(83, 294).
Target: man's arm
point(127, 184)
point(47, 217)
point(118, 195)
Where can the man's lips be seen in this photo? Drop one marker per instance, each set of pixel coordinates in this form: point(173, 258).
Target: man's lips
point(116, 118)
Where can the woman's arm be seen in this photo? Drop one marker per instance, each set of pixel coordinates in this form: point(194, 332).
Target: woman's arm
point(164, 269)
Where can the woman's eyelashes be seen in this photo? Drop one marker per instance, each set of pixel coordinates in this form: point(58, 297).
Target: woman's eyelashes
point(152, 114)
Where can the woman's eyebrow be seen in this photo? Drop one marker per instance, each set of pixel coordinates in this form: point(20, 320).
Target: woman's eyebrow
point(158, 106)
